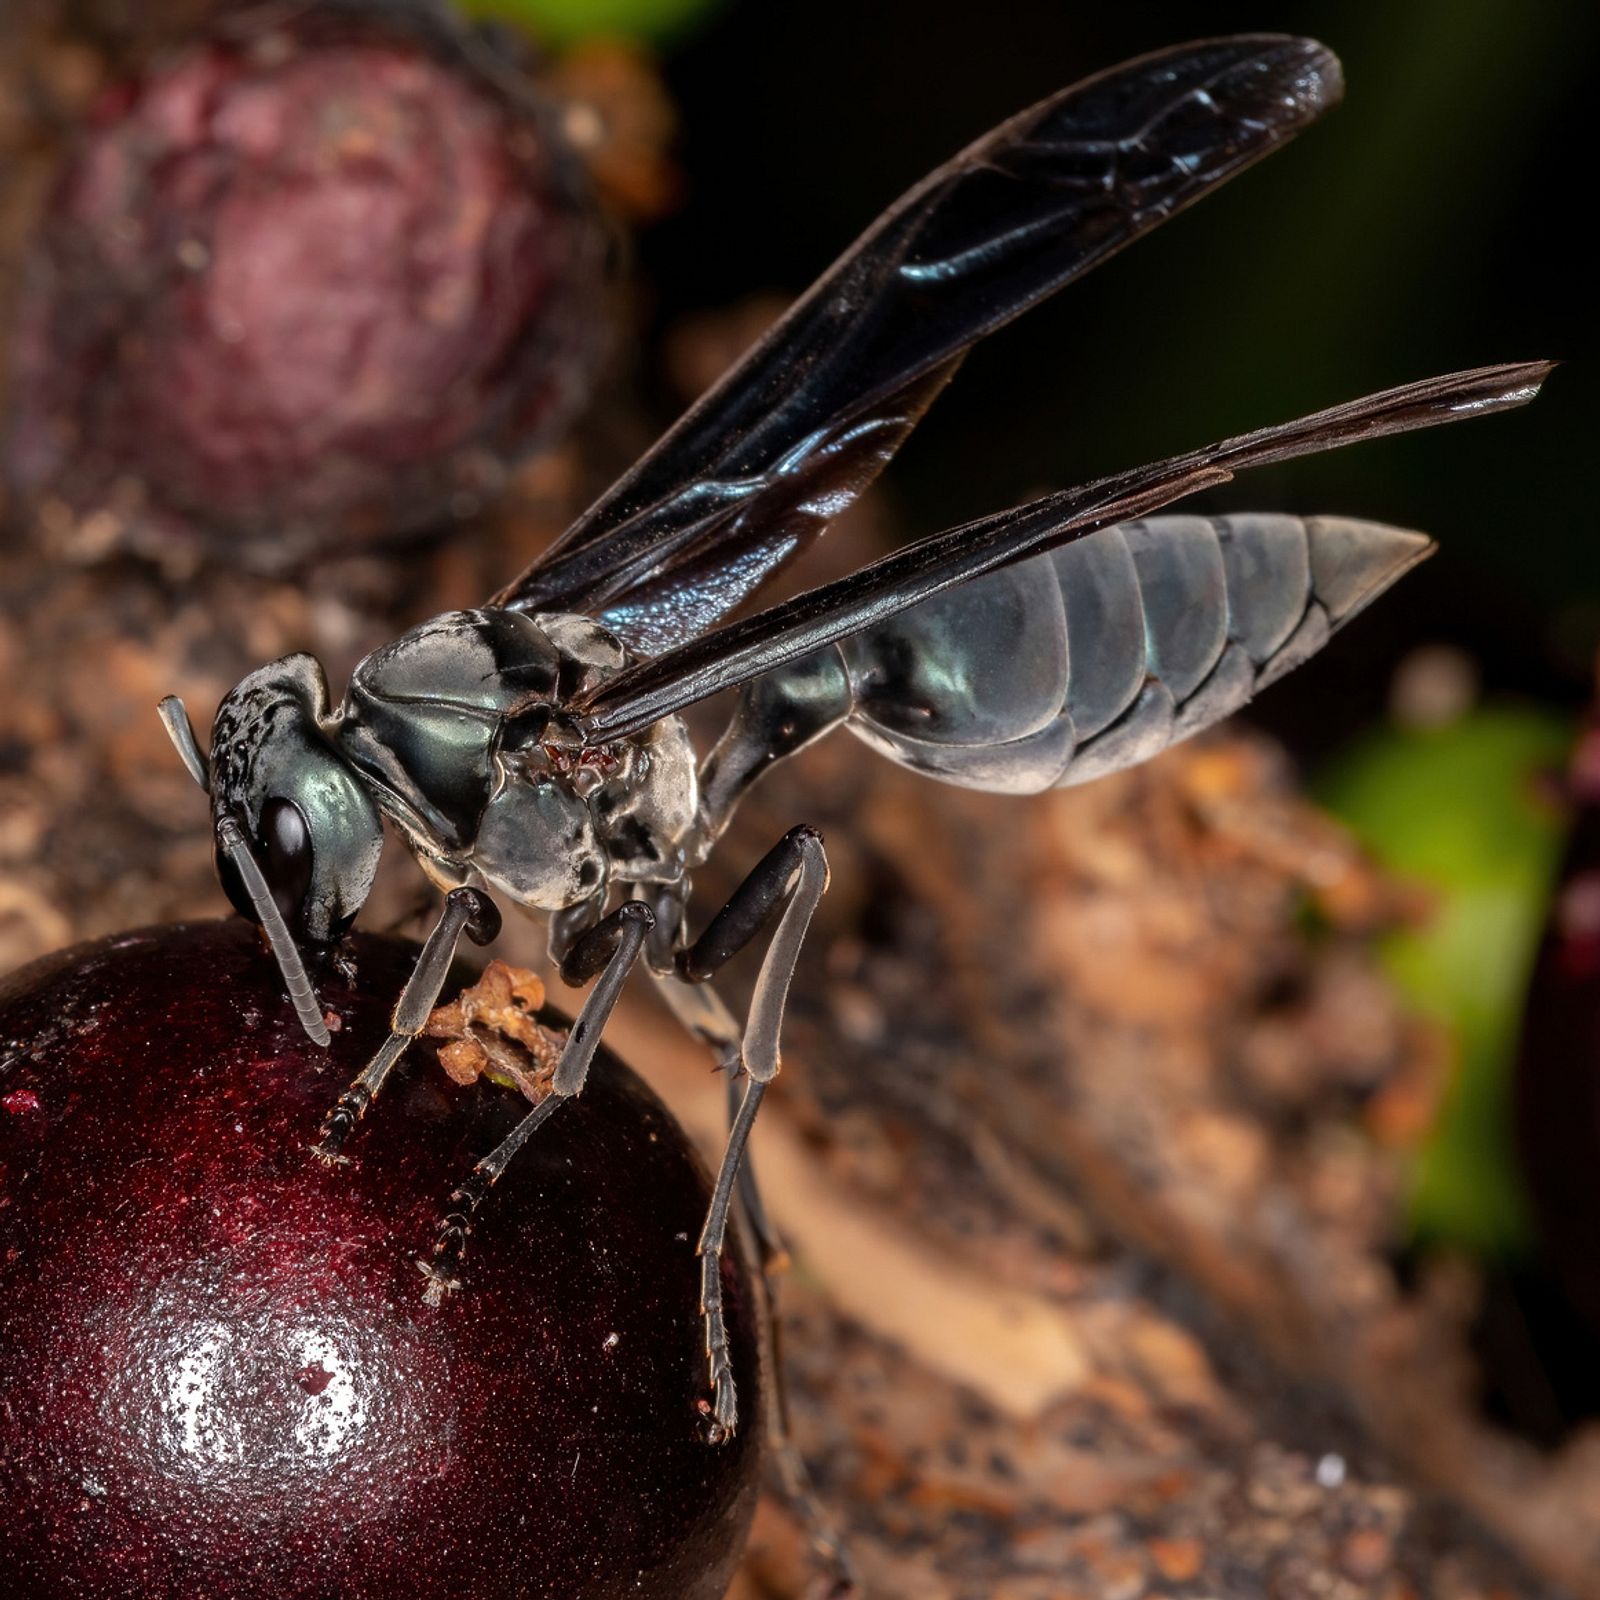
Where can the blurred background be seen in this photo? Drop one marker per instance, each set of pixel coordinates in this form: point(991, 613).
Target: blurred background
point(1433, 222)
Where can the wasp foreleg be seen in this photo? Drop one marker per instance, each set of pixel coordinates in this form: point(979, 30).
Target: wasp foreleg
point(610, 948)
point(792, 877)
point(468, 911)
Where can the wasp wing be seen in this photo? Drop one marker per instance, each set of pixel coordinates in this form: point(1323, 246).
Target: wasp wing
point(739, 651)
point(797, 429)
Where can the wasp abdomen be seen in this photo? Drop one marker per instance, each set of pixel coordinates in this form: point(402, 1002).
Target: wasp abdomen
point(1111, 648)
point(984, 663)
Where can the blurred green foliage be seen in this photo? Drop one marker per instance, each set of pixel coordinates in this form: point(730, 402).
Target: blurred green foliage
point(1464, 810)
point(558, 22)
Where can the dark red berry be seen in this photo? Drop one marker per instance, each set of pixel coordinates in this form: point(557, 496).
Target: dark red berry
point(1557, 1080)
point(319, 276)
point(220, 1376)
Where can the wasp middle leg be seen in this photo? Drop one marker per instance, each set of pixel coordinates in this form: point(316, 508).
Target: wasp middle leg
point(701, 1010)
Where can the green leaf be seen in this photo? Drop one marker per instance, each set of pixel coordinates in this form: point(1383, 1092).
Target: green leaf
point(1459, 809)
point(564, 21)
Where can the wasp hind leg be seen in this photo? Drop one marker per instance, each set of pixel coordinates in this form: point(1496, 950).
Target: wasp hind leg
point(787, 883)
point(610, 948)
point(468, 911)
point(701, 1011)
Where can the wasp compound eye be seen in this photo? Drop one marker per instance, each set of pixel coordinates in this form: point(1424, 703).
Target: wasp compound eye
point(286, 857)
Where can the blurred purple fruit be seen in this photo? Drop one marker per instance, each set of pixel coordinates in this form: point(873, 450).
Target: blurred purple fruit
point(318, 278)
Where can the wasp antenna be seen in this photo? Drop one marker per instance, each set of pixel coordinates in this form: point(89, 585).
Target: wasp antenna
point(181, 731)
point(230, 837)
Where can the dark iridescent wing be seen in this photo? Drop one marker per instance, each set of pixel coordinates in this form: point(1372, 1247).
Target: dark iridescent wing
point(739, 651)
point(762, 462)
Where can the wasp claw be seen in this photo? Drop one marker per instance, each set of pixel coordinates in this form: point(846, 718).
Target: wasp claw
point(720, 1414)
point(341, 1122)
point(727, 1409)
point(448, 1249)
point(441, 1284)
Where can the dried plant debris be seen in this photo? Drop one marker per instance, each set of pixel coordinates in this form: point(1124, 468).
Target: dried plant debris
point(1119, 1489)
point(494, 1032)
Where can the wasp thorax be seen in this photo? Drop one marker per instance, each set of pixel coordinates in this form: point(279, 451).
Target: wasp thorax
point(311, 824)
point(538, 842)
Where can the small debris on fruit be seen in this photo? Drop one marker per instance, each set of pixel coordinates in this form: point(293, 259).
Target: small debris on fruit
point(494, 1032)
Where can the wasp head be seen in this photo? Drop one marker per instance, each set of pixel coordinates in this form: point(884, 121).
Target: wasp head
point(312, 826)
point(298, 836)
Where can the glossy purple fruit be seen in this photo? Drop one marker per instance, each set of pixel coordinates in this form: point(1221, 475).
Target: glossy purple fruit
point(219, 1375)
point(315, 278)
point(1557, 1123)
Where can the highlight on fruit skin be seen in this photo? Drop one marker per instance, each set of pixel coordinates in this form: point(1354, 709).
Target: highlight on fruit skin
point(221, 1376)
point(317, 278)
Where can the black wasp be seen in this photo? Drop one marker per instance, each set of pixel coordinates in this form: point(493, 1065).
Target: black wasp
point(534, 747)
